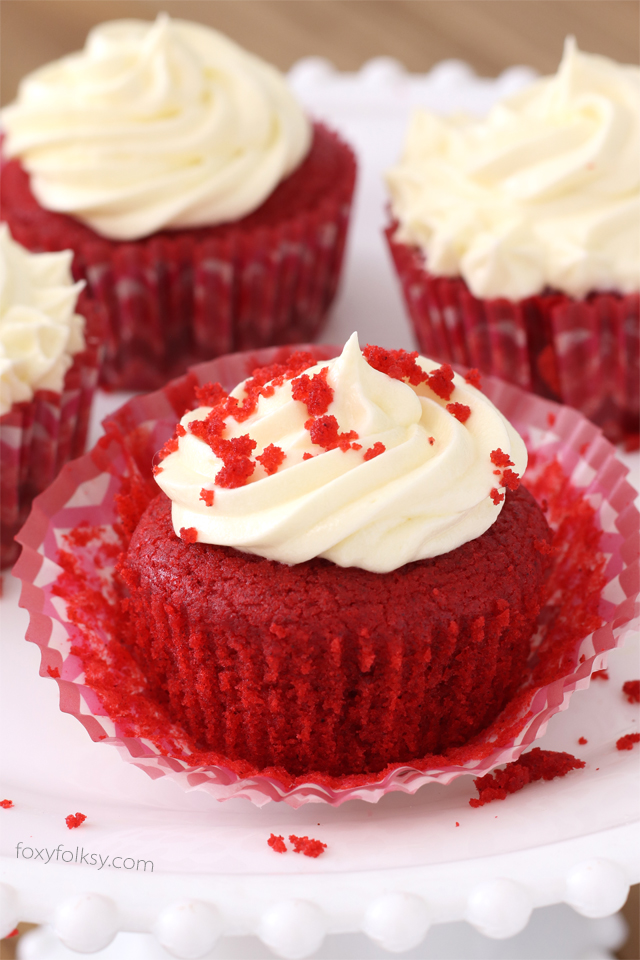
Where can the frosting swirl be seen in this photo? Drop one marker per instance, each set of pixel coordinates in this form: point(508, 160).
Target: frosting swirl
point(345, 462)
point(39, 330)
point(154, 126)
point(544, 192)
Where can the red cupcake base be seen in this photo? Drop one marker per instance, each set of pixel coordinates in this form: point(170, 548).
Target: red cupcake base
point(583, 353)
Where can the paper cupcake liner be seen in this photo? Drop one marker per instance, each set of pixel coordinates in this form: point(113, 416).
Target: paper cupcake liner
point(584, 353)
point(179, 297)
point(40, 435)
point(572, 465)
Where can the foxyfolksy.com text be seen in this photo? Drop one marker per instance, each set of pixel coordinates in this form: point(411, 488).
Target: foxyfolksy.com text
point(79, 856)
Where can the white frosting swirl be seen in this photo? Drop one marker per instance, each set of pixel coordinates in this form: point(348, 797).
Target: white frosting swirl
point(154, 126)
point(417, 499)
point(39, 330)
point(543, 192)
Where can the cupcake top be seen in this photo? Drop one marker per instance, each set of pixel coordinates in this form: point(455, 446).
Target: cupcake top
point(544, 192)
point(153, 126)
point(39, 329)
point(373, 459)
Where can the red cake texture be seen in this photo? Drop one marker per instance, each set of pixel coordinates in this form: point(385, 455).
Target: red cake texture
point(631, 690)
point(277, 843)
point(319, 667)
point(627, 742)
point(536, 765)
point(179, 296)
point(307, 846)
point(75, 820)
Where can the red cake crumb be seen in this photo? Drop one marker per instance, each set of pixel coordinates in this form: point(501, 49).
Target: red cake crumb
point(432, 440)
point(551, 419)
point(600, 675)
point(374, 451)
point(441, 382)
point(500, 458)
point(314, 392)
point(207, 496)
point(584, 447)
point(277, 843)
point(631, 690)
point(543, 547)
point(14, 933)
point(536, 765)
point(210, 394)
point(307, 846)
point(627, 742)
point(582, 741)
point(496, 496)
point(188, 534)
point(510, 479)
point(402, 366)
point(395, 363)
point(7, 804)
point(460, 411)
point(73, 821)
point(307, 456)
point(53, 672)
point(457, 824)
point(472, 377)
point(324, 433)
point(271, 458)
point(170, 447)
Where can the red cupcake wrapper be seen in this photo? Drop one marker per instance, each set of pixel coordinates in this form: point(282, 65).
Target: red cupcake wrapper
point(179, 297)
point(583, 353)
point(38, 436)
point(84, 494)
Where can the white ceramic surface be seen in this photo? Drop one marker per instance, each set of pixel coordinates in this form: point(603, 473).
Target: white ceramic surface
point(390, 869)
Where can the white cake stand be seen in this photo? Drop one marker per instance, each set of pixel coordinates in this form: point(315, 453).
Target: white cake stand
point(152, 857)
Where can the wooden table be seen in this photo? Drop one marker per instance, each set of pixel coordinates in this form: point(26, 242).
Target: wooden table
point(488, 34)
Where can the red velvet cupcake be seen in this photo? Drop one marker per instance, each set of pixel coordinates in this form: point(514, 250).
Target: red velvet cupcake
point(340, 582)
point(50, 335)
point(515, 239)
point(76, 599)
point(210, 217)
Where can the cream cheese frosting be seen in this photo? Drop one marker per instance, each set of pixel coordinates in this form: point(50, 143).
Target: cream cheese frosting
point(417, 472)
point(39, 329)
point(543, 192)
point(155, 125)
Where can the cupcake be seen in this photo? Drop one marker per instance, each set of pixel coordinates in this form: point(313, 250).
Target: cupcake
point(48, 371)
point(84, 525)
point(516, 238)
point(204, 210)
point(342, 570)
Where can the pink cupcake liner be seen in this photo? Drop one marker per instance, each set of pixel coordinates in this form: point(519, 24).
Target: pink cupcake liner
point(583, 353)
point(40, 435)
point(84, 494)
point(179, 297)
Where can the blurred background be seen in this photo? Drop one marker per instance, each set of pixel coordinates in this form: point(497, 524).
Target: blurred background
point(490, 35)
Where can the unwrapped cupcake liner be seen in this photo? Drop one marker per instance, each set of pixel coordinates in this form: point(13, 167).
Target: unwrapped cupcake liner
point(179, 297)
point(38, 436)
point(563, 445)
point(583, 353)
